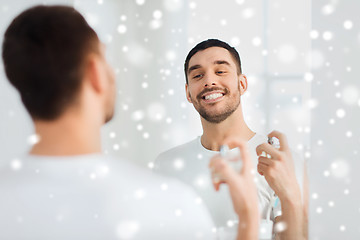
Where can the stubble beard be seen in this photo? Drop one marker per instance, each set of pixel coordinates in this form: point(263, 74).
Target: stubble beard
point(216, 118)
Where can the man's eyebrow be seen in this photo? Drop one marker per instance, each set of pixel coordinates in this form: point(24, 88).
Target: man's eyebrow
point(218, 62)
point(193, 68)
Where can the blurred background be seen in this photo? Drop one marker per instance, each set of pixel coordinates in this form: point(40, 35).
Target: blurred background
point(335, 136)
point(299, 59)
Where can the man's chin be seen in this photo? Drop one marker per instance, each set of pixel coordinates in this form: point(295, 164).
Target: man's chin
point(215, 118)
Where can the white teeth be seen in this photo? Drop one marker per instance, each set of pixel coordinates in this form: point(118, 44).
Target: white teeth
point(213, 96)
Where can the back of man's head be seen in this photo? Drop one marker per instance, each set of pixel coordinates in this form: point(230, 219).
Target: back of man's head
point(44, 53)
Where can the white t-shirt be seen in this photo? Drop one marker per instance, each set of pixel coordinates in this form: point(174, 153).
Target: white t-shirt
point(189, 163)
point(95, 197)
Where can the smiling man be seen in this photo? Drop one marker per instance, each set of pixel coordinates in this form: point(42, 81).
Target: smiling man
point(213, 101)
point(214, 85)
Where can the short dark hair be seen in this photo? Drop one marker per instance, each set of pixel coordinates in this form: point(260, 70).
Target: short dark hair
point(44, 52)
point(212, 43)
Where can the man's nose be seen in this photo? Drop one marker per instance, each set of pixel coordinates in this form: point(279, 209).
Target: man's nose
point(208, 85)
point(209, 81)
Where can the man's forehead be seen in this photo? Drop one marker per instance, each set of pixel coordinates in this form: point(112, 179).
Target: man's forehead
point(210, 56)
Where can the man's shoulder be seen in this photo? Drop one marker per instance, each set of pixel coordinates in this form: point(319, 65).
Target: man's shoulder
point(103, 180)
point(57, 173)
point(32, 169)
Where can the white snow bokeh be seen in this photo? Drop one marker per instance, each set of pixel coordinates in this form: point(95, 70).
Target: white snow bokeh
point(348, 24)
point(179, 164)
point(138, 55)
point(33, 139)
point(340, 168)
point(350, 95)
point(156, 111)
point(315, 59)
point(140, 2)
point(16, 164)
point(122, 28)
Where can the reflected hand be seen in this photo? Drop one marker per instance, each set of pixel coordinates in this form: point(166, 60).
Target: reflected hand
point(278, 170)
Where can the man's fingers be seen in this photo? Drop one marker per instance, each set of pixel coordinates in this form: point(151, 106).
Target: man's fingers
point(267, 148)
point(218, 164)
point(220, 169)
point(215, 162)
point(217, 185)
point(262, 168)
point(244, 152)
point(264, 160)
point(282, 139)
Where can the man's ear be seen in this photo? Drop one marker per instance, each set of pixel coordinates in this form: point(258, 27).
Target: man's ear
point(93, 73)
point(188, 97)
point(243, 83)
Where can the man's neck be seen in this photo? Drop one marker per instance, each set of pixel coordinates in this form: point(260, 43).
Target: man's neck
point(68, 135)
point(234, 126)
